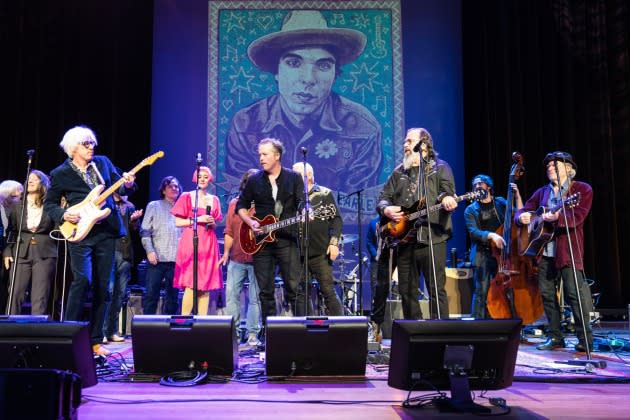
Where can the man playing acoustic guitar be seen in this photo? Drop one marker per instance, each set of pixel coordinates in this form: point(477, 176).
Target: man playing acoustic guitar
point(556, 261)
point(92, 258)
point(278, 192)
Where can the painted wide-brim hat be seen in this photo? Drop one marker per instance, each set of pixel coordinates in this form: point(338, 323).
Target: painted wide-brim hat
point(306, 28)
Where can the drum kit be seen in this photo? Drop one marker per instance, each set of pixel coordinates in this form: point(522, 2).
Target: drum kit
point(349, 282)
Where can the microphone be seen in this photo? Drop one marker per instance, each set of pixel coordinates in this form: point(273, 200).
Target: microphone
point(304, 150)
point(30, 154)
point(198, 159)
point(208, 210)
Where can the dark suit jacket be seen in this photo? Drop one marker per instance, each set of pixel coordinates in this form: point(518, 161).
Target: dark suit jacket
point(65, 182)
point(46, 246)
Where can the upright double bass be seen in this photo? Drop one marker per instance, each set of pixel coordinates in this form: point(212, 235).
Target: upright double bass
point(513, 292)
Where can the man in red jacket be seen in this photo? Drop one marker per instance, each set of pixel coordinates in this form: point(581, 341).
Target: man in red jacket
point(556, 258)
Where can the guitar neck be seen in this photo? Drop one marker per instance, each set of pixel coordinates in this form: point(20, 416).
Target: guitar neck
point(281, 224)
point(433, 208)
point(116, 185)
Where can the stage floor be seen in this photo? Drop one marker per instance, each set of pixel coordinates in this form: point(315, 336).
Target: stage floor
point(542, 389)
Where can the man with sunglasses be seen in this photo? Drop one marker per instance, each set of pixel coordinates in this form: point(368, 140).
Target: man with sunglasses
point(556, 259)
point(92, 258)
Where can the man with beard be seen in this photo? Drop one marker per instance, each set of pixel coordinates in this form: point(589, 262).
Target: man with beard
point(421, 249)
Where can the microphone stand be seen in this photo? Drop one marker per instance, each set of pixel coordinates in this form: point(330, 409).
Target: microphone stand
point(305, 232)
point(587, 346)
point(423, 192)
point(18, 238)
point(359, 232)
point(196, 239)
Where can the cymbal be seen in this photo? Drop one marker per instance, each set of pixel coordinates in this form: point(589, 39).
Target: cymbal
point(351, 237)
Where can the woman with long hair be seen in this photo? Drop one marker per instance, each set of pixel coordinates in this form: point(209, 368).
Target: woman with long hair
point(37, 259)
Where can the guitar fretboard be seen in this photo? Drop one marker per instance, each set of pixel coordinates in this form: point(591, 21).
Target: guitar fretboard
point(435, 207)
point(281, 224)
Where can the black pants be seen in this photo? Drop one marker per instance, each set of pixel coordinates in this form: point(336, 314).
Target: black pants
point(284, 254)
point(383, 277)
point(320, 267)
point(548, 279)
point(484, 272)
point(413, 260)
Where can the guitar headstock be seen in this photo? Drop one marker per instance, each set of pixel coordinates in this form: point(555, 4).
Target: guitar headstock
point(151, 159)
point(573, 200)
point(325, 212)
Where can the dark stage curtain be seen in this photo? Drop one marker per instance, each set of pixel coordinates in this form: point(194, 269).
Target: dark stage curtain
point(73, 62)
point(544, 75)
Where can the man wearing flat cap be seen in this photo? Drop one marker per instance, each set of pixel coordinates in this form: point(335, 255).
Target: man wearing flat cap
point(555, 257)
point(342, 138)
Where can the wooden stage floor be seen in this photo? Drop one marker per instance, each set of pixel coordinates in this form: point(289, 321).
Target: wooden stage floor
point(541, 390)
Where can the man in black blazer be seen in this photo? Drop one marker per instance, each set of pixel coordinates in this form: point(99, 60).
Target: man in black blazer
point(91, 258)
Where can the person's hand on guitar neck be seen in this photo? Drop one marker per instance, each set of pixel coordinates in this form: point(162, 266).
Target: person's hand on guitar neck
point(129, 179)
point(394, 213)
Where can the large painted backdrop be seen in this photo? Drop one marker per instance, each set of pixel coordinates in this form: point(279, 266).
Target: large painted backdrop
point(215, 91)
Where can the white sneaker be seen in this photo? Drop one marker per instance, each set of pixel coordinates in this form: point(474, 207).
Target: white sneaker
point(252, 340)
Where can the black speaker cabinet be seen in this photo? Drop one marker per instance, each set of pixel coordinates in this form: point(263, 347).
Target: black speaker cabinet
point(35, 343)
point(163, 344)
point(39, 394)
point(316, 346)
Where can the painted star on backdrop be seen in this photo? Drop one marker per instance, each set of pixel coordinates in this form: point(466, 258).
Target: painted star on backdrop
point(363, 78)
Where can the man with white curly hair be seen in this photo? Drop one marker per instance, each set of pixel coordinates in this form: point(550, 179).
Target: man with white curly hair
point(92, 258)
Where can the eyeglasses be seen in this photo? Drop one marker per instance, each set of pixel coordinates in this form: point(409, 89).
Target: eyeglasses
point(88, 143)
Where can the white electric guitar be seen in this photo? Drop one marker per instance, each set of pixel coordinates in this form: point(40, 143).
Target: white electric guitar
point(90, 208)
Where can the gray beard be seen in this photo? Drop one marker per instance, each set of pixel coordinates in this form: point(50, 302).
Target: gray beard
point(408, 160)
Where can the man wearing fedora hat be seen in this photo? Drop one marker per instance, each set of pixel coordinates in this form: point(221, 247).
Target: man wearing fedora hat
point(342, 137)
point(556, 261)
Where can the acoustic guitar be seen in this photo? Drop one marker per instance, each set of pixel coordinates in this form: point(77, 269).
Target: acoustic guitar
point(252, 242)
point(541, 232)
point(90, 208)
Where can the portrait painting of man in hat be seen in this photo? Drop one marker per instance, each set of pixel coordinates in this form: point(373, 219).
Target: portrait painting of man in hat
point(341, 137)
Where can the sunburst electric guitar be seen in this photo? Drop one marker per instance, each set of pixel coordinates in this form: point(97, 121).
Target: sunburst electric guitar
point(252, 242)
point(398, 232)
point(90, 209)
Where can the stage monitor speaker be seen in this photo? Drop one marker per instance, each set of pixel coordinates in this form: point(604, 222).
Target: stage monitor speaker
point(35, 343)
point(316, 346)
point(163, 344)
point(39, 394)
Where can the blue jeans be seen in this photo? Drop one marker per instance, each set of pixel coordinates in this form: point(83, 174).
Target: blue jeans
point(484, 272)
point(92, 263)
point(237, 273)
point(155, 274)
point(117, 289)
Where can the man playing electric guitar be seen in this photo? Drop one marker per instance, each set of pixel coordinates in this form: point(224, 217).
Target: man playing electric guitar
point(415, 257)
point(279, 192)
point(556, 262)
point(91, 259)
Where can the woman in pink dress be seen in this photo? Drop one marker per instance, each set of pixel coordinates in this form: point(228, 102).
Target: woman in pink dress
point(209, 275)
